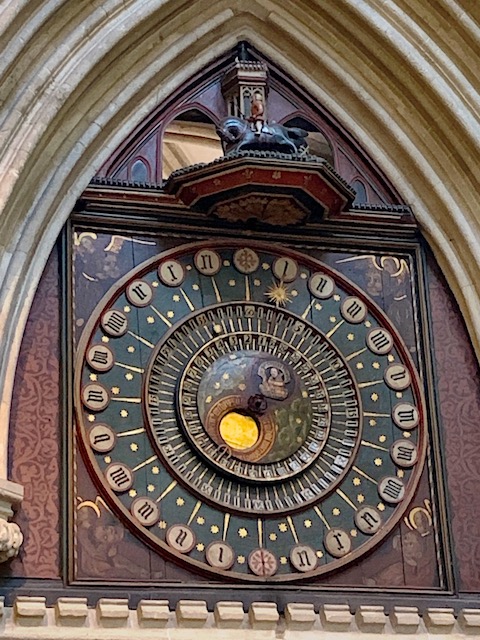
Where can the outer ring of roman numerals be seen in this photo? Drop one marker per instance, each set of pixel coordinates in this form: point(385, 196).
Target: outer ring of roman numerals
point(170, 269)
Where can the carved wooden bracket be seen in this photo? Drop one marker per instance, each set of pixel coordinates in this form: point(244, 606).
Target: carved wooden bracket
point(275, 188)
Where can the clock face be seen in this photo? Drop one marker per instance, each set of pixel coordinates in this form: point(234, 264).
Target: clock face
point(249, 411)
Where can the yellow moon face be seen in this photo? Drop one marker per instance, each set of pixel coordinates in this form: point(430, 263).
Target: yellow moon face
point(238, 431)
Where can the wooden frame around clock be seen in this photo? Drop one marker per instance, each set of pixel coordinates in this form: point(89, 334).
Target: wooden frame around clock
point(303, 239)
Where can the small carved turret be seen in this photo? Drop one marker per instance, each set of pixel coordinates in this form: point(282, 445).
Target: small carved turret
point(245, 88)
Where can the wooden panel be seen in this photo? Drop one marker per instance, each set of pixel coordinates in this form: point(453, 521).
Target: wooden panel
point(459, 396)
point(407, 558)
point(401, 560)
point(35, 443)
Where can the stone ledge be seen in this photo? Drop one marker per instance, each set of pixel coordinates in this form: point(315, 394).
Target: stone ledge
point(112, 619)
point(11, 495)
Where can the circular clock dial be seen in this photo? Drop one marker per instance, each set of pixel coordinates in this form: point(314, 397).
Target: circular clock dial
point(249, 411)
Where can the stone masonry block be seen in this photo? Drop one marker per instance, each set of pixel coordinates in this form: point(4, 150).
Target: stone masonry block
point(405, 619)
point(263, 615)
point(300, 616)
point(71, 612)
point(371, 618)
point(229, 614)
point(112, 612)
point(191, 613)
point(30, 610)
point(153, 613)
point(469, 620)
point(336, 617)
point(439, 620)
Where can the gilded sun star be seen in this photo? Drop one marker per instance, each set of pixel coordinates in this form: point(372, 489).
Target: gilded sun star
point(278, 293)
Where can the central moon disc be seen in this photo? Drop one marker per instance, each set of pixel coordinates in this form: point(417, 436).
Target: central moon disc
point(238, 431)
point(254, 404)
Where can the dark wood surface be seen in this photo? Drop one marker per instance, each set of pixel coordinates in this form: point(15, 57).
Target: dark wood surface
point(458, 392)
point(35, 442)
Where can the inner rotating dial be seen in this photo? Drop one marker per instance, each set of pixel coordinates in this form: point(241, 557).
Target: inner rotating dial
point(262, 398)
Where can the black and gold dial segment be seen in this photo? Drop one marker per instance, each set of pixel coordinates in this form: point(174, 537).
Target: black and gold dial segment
point(250, 411)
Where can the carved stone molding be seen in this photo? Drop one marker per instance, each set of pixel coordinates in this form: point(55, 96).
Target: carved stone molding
point(112, 619)
point(11, 537)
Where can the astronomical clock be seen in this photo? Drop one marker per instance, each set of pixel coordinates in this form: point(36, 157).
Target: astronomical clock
point(248, 375)
point(251, 379)
point(251, 409)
